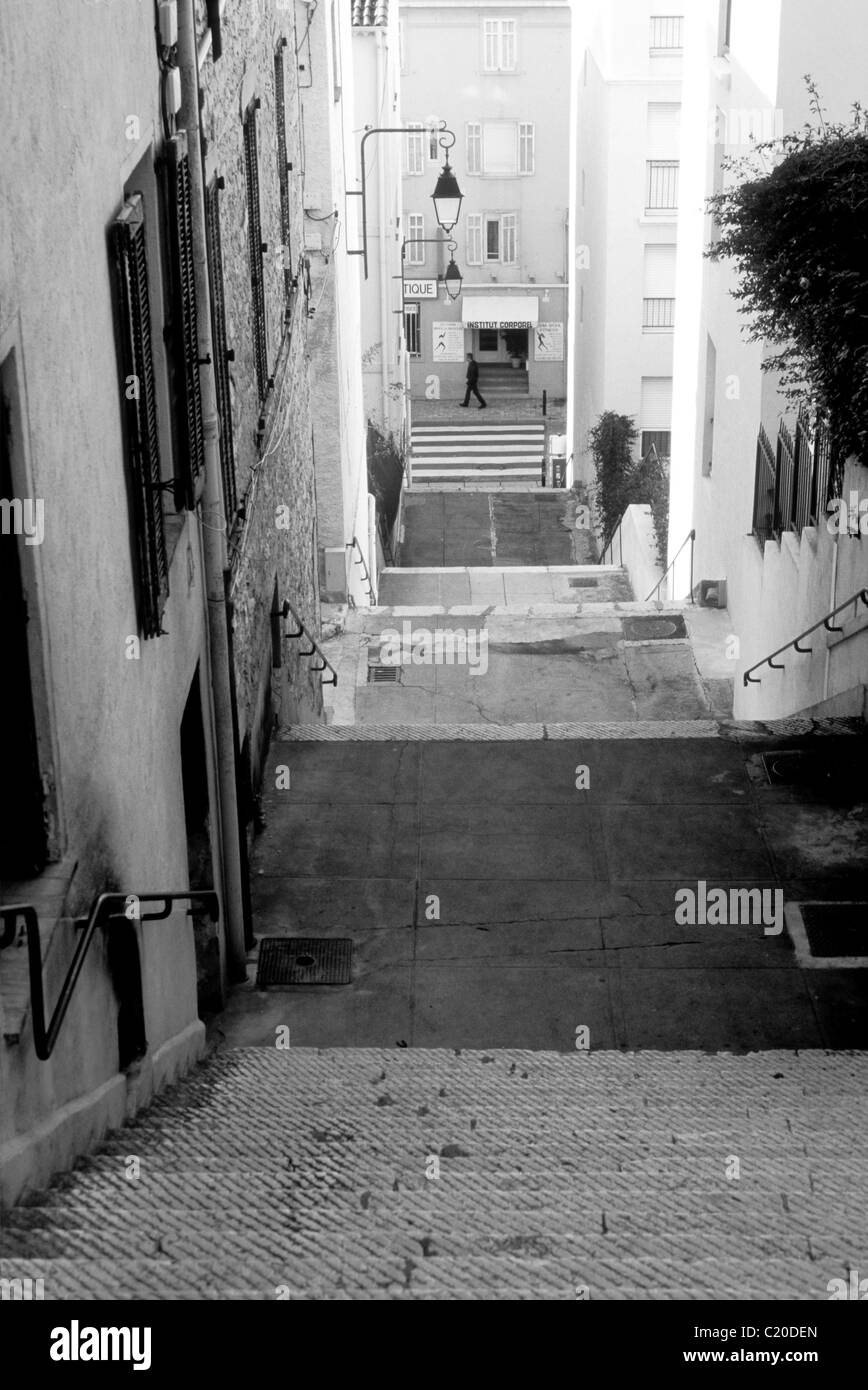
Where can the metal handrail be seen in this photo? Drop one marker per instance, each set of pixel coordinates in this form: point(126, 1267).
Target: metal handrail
point(103, 907)
point(315, 648)
point(366, 574)
point(826, 623)
point(610, 544)
point(691, 536)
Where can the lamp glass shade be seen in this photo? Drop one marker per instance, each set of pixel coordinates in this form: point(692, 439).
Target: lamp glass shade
point(447, 198)
point(452, 280)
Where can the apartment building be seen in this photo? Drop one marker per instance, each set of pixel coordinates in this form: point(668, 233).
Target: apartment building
point(627, 119)
point(499, 76)
point(158, 509)
point(751, 473)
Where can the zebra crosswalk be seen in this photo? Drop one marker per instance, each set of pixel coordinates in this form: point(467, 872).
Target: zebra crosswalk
point(478, 452)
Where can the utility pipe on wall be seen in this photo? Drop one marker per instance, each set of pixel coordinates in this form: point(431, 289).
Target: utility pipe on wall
point(212, 524)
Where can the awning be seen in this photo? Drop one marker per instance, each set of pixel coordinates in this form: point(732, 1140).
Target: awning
point(500, 311)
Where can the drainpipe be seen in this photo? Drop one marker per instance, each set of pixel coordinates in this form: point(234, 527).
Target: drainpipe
point(211, 517)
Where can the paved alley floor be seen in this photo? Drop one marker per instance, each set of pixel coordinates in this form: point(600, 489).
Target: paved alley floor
point(492, 528)
point(492, 903)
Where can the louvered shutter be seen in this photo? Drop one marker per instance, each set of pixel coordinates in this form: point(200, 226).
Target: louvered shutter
point(254, 235)
point(140, 406)
point(656, 409)
point(185, 327)
point(283, 174)
point(221, 350)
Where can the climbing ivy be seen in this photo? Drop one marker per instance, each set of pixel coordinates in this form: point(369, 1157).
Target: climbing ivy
point(795, 225)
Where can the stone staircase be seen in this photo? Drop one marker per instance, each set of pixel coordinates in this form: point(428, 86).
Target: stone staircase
point(477, 451)
point(392, 1174)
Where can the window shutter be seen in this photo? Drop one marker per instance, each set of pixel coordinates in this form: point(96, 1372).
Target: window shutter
point(659, 281)
point(474, 238)
point(473, 143)
point(526, 147)
point(490, 36)
point(221, 354)
point(656, 409)
point(283, 175)
point(187, 392)
point(664, 127)
point(151, 561)
point(254, 238)
point(509, 248)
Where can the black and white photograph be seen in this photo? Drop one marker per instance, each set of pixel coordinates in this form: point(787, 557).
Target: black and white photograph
point(434, 848)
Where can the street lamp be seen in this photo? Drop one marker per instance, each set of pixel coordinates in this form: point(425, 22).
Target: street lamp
point(452, 279)
point(447, 195)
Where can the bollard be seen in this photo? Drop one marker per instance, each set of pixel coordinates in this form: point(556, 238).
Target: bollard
point(544, 402)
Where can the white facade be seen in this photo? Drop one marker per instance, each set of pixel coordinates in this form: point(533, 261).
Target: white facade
point(376, 71)
point(627, 118)
point(499, 75)
point(752, 78)
point(332, 228)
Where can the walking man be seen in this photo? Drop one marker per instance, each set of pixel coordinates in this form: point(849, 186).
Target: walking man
point(472, 380)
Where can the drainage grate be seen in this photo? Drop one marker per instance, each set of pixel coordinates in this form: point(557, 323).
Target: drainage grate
point(800, 769)
point(654, 629)
point(583, 583)
point(384, 675)
point(285, 960)
point(836, 929)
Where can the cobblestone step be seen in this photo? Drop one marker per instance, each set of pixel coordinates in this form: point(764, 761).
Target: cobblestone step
point(311, 1172)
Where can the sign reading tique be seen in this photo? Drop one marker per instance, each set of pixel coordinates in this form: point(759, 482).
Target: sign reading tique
point(420, 289)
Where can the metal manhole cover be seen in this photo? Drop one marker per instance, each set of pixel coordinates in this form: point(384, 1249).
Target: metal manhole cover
point(651, 629)
point(294, 960)
point(836, 929)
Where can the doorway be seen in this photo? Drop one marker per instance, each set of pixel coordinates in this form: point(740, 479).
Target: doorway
point(489, 345)
point(200, 865)
point(23, 835)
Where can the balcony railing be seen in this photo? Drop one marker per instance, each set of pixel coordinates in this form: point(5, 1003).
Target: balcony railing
point(658, 315)
point(794, 480)
point(662, 185)
point(666, 33)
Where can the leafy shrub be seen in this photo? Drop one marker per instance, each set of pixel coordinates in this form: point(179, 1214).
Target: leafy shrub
point(797, 233)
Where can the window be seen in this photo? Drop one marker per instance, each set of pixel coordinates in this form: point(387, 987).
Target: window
point(661, 439)
point(499, 45)
point(474, 238)
point(411, 330)
point(221, 352)
point(658, 303)
point(415, 233)
point(655, 414)
point(150, 556)
point(526, 155)
point(509, 238)
point(666, 33)
point(473, 147)
point(255, 250)
point(499, 155)
point(184, 328)
point(283, 169)
point(414, 149)
point(662, 185)
point(492, 238)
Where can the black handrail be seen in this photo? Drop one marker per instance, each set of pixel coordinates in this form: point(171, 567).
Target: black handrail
point(362, 561)
point(103, 907)
point(691, 536)
point(748, 679)
point(314, 649)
